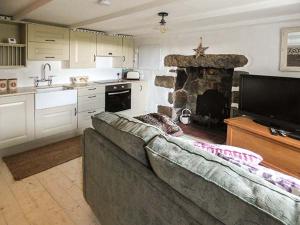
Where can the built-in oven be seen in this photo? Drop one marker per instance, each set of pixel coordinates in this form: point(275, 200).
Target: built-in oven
point(117, 97)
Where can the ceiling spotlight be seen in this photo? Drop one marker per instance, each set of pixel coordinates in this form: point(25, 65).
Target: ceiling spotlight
point(104, 2)
point(163, 27)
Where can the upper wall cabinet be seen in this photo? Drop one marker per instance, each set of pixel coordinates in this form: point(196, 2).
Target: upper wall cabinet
point(109, 45)
point(47, 42)
point(82, 49)
point(128, 52)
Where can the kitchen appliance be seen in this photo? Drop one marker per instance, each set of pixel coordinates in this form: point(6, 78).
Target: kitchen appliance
point(132, 75)
point(117, 97)
point(272, 101)
point(185, 117)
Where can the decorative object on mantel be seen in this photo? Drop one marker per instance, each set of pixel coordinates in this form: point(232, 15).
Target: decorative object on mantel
point(203, 85)
point(200, 51)
point(290, 49)
point(80, 80)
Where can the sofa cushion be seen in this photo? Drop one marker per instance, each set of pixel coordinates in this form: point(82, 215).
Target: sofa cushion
point(221, 187)
point(129, 134)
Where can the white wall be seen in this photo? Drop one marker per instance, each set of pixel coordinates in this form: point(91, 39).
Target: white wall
point(260, 43)
point(58, 69)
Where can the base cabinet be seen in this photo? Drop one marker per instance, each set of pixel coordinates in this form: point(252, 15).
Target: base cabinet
point(16, 120)
point(55, 120)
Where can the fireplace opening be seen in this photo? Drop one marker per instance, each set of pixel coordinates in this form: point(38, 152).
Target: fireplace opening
point(211, 109)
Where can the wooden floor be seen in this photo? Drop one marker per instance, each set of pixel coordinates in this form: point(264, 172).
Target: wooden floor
point(53, 197)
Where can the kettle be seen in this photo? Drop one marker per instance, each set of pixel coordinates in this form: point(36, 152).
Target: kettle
point(185, 117)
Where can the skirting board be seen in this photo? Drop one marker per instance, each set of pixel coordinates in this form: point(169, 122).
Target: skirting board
point(38, 143)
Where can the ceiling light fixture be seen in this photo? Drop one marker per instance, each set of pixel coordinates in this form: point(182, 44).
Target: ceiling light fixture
point(163, 27)
point(104, 2)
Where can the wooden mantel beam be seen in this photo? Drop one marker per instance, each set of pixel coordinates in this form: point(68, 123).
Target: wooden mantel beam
point(124, 12)
point(30, 8)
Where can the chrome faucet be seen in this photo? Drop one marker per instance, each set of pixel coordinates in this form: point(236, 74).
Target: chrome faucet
point(43, 76)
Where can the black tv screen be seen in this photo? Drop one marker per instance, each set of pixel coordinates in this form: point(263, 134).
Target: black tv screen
point(274, 101)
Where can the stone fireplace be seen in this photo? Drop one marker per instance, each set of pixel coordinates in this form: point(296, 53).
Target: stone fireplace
point(203, 85)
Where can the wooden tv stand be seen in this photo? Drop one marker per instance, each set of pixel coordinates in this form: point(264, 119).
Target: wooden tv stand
point(279, 153)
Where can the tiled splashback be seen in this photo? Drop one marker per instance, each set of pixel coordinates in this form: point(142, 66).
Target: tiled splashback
point(103, 71)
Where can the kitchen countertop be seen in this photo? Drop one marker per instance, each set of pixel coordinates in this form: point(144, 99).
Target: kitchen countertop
point(32, 90)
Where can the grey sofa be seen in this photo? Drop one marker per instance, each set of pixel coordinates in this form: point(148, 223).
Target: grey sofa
point(135, 175)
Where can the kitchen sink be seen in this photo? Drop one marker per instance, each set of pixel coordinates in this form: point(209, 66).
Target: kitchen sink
point(51, 97)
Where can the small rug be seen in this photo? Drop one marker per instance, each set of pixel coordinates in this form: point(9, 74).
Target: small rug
point(34, 161)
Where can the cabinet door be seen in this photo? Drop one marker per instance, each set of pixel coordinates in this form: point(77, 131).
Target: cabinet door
point(90, 102)
point(138, 98)
point(128, 52)
point(48, 34)
point(16, 120)
point(55, 120)
point(46, 51)
point(109, 45)
point(82, 50)
point(85, 120)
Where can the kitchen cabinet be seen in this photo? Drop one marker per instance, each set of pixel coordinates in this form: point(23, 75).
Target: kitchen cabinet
point(109, 45)
point(91, 101)
point(128, 52)
point(47, 42)
point(138, 98)
point(82, 49)
point(16, 120)
point(52, 121)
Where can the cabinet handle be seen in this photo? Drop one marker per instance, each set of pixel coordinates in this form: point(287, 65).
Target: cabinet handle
point(124, 58)
point(91, 112)
point(50, 40)
point(94, 58)
point(109, 53)
point(75, 111)
point(94, 96)
point(141, 87)
point(50, 57)
point(92, 89)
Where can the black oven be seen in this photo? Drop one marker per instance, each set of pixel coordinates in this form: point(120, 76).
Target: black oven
point(117, 97)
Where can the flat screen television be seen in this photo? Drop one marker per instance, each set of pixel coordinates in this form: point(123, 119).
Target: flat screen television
point(273, 101)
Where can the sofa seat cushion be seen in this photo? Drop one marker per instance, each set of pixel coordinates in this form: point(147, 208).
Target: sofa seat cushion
point(129, 134)
point(220, 187)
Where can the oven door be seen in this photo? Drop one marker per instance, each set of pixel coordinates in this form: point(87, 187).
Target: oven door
point(116, 101)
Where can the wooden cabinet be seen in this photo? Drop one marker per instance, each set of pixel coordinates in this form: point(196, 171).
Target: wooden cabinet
point(56, 120)
point(47, 42)
point(82, 49)
point(279, 153)
point(16, 120)
point(138, 98)
point(128, 52)
point(91, 100)
point(109, 45)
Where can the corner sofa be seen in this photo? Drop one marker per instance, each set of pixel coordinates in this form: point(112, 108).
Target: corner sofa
point(133, 174)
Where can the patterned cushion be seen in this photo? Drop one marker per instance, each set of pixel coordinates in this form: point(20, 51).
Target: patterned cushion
point(240, 154)
point(162, 122)
point(221, 187)
point(129, 134)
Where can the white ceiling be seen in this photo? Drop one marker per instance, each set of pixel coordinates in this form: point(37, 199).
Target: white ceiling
point(140, 17)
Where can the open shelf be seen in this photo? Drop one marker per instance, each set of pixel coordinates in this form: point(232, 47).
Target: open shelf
point(12, 55)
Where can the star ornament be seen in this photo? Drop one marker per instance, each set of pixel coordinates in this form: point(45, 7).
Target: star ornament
point(200, 51)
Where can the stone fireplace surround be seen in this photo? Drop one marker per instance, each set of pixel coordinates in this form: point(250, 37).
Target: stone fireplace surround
point(203, 84)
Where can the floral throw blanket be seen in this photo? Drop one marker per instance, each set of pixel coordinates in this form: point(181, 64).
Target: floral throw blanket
point(250, 161)
point(162, 122)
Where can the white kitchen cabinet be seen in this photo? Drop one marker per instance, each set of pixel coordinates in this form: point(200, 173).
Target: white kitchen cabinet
point(56, 120)
point(16, 120)
point(91, 101)
point(82, 49)
point(138, 98)
point(109, 45)
point(47, 42)
point(128, 52)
